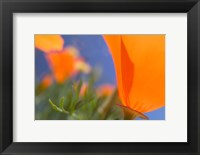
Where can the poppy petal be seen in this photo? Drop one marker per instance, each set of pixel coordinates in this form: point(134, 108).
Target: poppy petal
point(122, 64)
point(127, 69)
point(147, 52)
point(143, 56)
point(48, 43)
point(61, 64)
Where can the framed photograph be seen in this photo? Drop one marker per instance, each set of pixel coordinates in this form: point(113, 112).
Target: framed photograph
point(99, 77)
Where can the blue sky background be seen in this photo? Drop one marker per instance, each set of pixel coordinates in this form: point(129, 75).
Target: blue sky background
point(95, 52)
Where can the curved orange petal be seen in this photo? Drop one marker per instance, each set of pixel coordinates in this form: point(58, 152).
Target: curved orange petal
point(62, 65)
point(122, 63)
point(147, 52)
point(142, 55)
point(48, 43)
point(127, 73)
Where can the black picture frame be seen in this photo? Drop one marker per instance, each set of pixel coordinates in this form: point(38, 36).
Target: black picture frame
point(8, 7)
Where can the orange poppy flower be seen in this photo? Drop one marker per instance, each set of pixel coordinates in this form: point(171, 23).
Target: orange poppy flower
point(140, 69)
point(64, 63)
point(46, 81)
point(105, 90)
point(84, 88)
point(48, 43)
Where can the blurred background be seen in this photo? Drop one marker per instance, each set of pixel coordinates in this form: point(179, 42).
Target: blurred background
point(95, 52)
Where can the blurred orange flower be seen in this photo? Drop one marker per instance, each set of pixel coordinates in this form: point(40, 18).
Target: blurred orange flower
point(48, 43)
point(105, 90)
point(140, 69)
point(64, 62)
point(46, 81)
point(84, 88)
point(61, 64)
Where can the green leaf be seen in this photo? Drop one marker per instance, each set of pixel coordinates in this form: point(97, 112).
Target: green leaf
point(78, 104)
point(62, 106)
point(54, 106)
point(72, 105)
point(79, 87)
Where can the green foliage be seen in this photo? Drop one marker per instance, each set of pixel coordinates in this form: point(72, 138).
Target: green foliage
point(65, 102)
